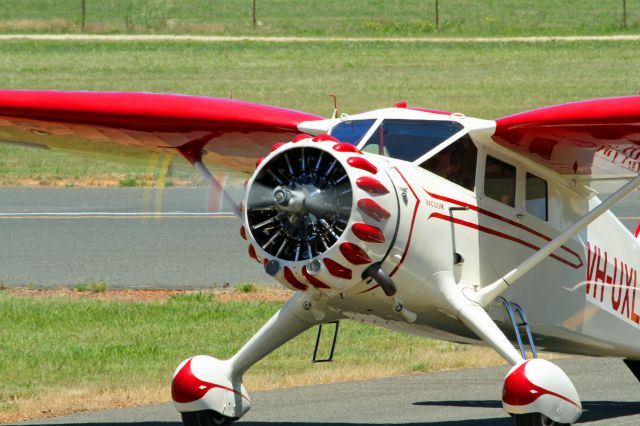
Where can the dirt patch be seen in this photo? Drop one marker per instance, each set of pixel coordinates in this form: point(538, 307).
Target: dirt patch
point(84, 398)
point(57, 182)
point(309, 39)
point(54, 25)
point(265, 294)
point(86, 182)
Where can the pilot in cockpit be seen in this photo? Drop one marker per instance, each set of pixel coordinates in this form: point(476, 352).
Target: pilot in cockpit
point(456, 163)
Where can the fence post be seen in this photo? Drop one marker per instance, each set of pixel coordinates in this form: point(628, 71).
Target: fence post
point(83, 6)
point(437, 14)
point(254, 14)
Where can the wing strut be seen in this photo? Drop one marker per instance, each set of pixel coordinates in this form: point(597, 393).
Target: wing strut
point(192, 151)
point(216, 186)
point(485, 295)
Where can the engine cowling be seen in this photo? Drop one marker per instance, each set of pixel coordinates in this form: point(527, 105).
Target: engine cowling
point(317, 213)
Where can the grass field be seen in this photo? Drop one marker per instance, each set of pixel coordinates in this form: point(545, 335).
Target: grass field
point(62, 354)
point(484, 80)
point(328, 17)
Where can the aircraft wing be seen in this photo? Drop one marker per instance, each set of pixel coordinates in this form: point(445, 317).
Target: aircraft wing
point(589, 140)
point(230, 134)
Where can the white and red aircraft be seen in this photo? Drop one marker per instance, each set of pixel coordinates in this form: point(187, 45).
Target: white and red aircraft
point(421, 221)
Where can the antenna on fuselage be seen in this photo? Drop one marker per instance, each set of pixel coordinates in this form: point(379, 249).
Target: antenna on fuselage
point(335, 107)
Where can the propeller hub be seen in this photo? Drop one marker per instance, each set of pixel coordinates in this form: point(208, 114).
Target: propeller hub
point(281, 196)
point(288, 200)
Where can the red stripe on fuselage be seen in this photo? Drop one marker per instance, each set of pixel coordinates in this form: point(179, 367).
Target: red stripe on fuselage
point(500, 235)
point(413, 221)
point(512, 223)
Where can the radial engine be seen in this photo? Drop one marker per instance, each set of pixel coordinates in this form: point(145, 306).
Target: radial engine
point(320, 216)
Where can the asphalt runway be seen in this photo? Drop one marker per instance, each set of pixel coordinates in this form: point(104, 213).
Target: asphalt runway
point(609, 392)
point(67, 236)
point(115, 235)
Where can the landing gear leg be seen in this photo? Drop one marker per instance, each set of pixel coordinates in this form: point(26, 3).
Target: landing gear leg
point(209, 392)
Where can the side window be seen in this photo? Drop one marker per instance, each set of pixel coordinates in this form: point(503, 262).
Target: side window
point(456, 163)
point(536, 193)
point(500, 181)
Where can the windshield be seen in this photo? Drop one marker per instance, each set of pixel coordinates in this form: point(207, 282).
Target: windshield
point(351, 131)
point(409, 139)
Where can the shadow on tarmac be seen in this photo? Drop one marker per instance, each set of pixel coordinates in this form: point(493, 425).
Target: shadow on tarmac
point(593, 411)
point(503, 421)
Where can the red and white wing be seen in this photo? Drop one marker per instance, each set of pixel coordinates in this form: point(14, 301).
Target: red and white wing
point(589, 140)
point(230, 134)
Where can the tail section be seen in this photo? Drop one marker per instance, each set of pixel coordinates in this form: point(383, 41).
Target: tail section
point(637, 233)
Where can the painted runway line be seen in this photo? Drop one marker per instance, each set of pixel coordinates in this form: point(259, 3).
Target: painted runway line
point(117, 215)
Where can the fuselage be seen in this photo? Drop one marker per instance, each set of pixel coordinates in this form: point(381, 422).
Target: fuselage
point(582, 299)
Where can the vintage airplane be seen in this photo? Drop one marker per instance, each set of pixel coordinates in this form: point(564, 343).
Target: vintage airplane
point(421, 221)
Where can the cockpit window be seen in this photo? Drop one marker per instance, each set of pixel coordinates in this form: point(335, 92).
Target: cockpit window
point(537, 197)
point(409, 139)
point(457, 163)
point(352, 131)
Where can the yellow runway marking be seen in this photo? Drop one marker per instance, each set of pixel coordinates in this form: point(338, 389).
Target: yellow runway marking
point(149, 178)
point(164, 170)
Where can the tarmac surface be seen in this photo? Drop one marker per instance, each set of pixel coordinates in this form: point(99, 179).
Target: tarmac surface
point(609, 392)
point(67, 236)
point(132, 238)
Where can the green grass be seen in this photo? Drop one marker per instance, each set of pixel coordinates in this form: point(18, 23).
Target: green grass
point(483, 80)
point(486, 80)
point(23, 165)
point(128, 182)
point(51, 345)
point(98, 286)
point(246, 288)
point(328, 17)
point(197, 297)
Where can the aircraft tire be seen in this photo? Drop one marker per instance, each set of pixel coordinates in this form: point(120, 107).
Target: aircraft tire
point(205, 418)
point(535, 419)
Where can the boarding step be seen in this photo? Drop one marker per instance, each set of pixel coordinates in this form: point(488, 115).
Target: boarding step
point(334, 339)
point(519, 323)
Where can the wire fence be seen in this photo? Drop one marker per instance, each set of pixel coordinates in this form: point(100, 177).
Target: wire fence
point(327, 17)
